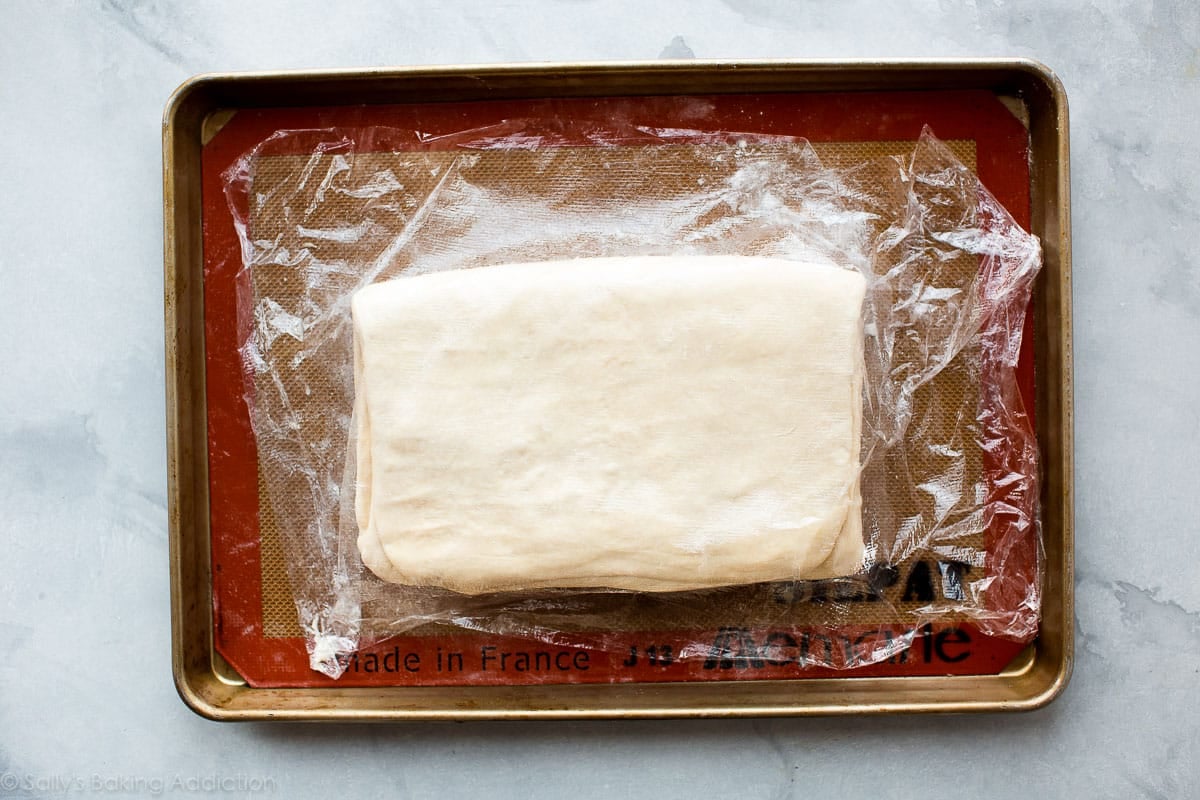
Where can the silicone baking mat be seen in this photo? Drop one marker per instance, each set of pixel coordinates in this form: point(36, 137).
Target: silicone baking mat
point(752, 637)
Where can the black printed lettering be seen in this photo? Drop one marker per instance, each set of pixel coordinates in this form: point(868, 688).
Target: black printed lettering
point(952, 636)
point(919, 585)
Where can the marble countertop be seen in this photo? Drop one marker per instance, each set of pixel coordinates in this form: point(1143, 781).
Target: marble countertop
point(86, 699)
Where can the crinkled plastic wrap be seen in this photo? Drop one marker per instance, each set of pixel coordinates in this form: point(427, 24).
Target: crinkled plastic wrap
point(949, 462)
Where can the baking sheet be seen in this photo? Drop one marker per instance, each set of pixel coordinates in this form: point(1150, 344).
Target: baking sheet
point(225, 493)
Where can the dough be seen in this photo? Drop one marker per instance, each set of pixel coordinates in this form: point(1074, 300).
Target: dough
point(650, 424)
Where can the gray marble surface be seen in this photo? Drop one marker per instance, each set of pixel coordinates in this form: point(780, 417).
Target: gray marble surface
point(86, 700)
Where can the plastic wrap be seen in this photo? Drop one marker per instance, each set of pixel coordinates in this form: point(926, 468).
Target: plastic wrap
point(948, 472)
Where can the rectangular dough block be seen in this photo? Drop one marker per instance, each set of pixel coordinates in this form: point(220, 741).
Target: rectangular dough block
point(648, 424)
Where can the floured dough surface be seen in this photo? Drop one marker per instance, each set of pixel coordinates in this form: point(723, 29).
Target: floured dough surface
point(651, 424)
